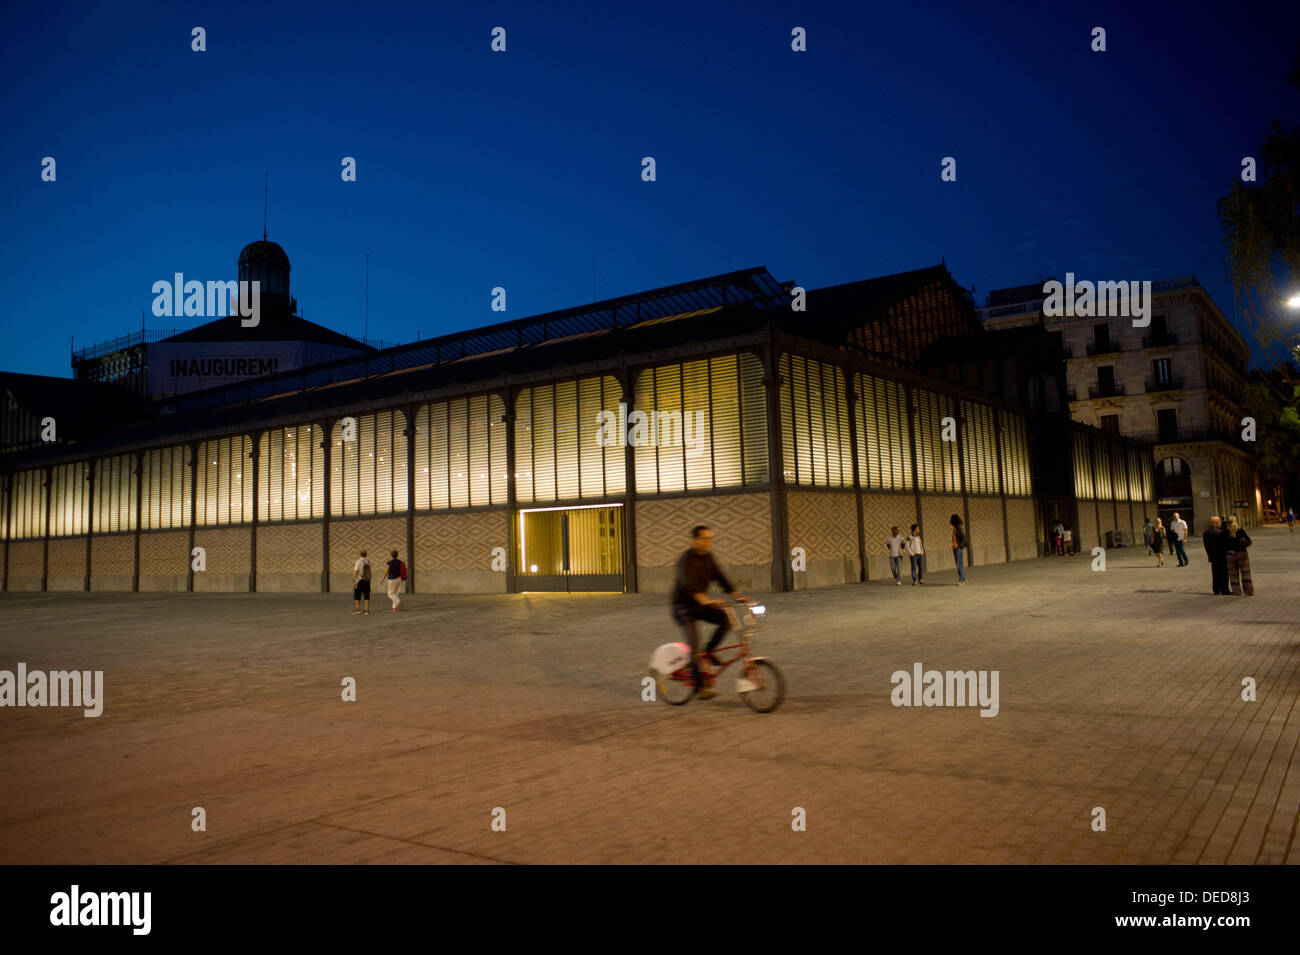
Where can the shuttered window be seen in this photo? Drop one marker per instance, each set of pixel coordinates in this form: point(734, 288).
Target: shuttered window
point(699, 425)
point(1101, 468)
point(979, 448)
point(460, 453)
point(936, 458)
point(115, 492)
point(69, 497)
point(884, 435)
point(27, 504)
point(291, 474)
point(225, 481)
point(817, 441)
point(566, 443)
point(1016, 480)
point(167, 477)
point(368, 470)
point(1083, 483)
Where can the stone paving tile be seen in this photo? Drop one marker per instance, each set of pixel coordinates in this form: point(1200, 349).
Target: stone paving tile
point(1118, 689)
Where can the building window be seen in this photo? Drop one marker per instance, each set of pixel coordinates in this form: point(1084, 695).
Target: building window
point(369, 472)
point(27, 504)
point(1162, 371)
point(1015, 455)
point(979, 448)
point(167, 481)
point(225, 482)
point(1101, 340)
point(115, 493)
point(884, 435)
point(1083, 484)
point(1110, 423)
point(291, 474)
point(69, 496)
point(938, 468)
point(1167, 420)
point(559, 445)
point(460, 453)
point(817, 443)
point(724, 441)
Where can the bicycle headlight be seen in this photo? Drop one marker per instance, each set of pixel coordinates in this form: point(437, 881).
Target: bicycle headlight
point(758, 610)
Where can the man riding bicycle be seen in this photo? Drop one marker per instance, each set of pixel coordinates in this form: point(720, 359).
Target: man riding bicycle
point(696, 569)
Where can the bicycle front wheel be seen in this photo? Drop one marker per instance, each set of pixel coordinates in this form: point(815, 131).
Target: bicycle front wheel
point(770, 689)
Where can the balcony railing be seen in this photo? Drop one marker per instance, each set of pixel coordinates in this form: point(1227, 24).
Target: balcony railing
point(1159, 341)
point(1105, 391)
point(1164, 384)
point(122, 343)
point(1104, 348)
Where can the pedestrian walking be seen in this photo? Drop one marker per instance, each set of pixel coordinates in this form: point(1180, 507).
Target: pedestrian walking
point(1290, 519)
point(1158, 540)
point(916, 554)
point(1067, 537)
point(1058, 538)
point(1170, 536)
point(361, 584)
point(1147, 527)
point(959, 543)
point(895, 543)
point(1238, 559)
point(1179, 531)
point(1215, 539)
point(396, 581)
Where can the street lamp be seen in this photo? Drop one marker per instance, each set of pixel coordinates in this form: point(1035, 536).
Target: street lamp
point(1293, 301)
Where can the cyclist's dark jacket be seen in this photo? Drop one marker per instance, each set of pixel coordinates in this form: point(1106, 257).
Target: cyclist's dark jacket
point(694, 574)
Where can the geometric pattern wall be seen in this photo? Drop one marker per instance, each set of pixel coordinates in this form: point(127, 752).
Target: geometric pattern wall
point(164, 554)
point(1021, 528)
point(67, 557)
point(227, 549)
point(449, 542)
point(985, 530)
point(824, 524)
point(742, 527)
point(377, 536)
point(1085, 535)
point(25, 559)
point(112, 556)
point(288, 549)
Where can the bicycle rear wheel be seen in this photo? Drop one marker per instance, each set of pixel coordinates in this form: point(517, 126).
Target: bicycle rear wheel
point(770, 691)
point(674, 688)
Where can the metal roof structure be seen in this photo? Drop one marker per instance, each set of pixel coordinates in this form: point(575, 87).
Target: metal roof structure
point(754, 287)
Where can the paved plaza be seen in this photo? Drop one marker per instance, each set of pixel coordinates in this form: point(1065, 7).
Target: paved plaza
point(1120, 690)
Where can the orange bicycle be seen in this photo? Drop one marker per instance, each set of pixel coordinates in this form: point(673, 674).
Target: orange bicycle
point(760, 685)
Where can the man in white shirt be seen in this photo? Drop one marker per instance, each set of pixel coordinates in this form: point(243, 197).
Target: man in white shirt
point(1179, 529)
point(916, 552)
point(895, 544)
point(361, 583)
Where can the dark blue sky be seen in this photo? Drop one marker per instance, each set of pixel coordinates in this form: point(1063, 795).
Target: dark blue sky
point(478, 169)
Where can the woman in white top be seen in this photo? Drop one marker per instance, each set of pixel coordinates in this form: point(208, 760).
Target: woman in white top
point(916, 553)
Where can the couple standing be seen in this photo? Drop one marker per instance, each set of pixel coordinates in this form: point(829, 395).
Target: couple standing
point(396, 577)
